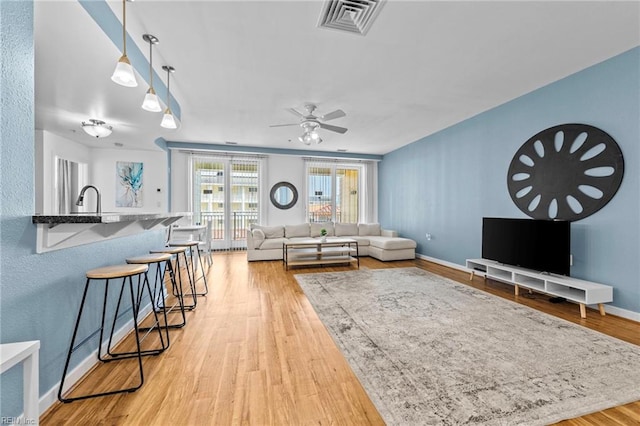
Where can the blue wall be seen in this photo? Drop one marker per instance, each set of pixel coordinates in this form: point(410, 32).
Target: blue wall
point(39, 293)
point(445, 183)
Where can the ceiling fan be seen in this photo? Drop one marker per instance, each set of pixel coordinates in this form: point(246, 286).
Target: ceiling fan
point(310, 123)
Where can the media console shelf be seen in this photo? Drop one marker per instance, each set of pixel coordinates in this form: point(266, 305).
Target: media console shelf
point(579, 291)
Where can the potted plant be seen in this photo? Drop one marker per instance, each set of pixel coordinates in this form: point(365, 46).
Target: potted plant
point(323, 234)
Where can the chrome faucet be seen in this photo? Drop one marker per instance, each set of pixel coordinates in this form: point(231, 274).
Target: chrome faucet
point(80, 200)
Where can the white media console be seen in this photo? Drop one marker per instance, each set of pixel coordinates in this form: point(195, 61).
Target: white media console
point(579, 291)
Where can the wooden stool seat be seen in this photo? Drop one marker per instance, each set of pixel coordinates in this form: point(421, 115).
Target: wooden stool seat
point(170, 250)
point(189, 243)
point(116, 271)
point(150, 258)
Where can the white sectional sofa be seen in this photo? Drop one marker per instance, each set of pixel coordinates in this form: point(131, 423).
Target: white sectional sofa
point(265, 242)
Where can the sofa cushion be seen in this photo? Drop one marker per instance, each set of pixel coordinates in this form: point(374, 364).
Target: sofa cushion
point(272, 243)
point(317, 226)
point(362, 241)
point(271, 231)
point(258, 237)
point(346, 229)
point(387, 243)
point(301, 230)
point(365, 229)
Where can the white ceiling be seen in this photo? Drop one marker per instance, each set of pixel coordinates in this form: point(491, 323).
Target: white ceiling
point(423, 66)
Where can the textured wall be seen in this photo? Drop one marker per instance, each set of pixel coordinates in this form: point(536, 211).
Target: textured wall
point(39, 293)
point(445, 183)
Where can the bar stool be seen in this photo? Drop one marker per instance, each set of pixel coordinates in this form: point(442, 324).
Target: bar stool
point(177, 251)
point(193, 245)
point(107, 273)
point(163, 266)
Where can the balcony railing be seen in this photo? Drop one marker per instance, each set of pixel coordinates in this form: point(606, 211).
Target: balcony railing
point(240, 222)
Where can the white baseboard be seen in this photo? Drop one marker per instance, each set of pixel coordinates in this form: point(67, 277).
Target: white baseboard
point(443, 262)
point(51, 396)
point(613, 310)
point(624, 313)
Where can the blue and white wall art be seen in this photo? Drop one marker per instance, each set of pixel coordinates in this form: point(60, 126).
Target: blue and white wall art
point(129, 184)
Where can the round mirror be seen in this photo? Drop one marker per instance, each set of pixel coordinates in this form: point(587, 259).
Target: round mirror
point(284, 195)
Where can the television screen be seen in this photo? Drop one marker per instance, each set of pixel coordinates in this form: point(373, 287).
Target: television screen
point(541, 245)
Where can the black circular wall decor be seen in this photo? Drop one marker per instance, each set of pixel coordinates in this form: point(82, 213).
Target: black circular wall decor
point(566, 172)
point(283, 195)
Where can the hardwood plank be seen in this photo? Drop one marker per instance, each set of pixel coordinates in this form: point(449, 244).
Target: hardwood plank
point(255, 352)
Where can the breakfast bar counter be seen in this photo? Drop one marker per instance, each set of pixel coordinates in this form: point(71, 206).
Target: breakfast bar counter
point(55, 232)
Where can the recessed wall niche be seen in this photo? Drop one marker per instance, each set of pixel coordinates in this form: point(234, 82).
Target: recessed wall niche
point(566, 172)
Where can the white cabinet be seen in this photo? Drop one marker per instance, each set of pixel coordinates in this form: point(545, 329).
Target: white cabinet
point(579, 291)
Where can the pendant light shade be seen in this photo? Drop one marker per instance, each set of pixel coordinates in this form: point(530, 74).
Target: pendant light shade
point(168, 120)
point(151, 102)
point(124, 74)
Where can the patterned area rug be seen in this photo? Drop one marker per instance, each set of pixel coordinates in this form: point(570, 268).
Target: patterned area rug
point(432, 351)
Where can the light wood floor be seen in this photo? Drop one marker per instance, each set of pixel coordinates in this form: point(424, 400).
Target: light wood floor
point(254, 352)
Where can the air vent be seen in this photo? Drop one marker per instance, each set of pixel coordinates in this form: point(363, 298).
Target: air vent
point(352, 16)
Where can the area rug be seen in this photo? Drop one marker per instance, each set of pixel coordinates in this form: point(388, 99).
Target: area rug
point(431, 351)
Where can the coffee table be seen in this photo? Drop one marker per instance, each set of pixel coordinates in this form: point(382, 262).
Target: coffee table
point(312, 251)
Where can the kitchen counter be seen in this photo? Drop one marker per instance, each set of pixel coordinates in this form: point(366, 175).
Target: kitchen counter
point(61, 231)
point(105, 217)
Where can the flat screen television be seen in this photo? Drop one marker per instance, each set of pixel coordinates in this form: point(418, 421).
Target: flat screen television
point(541, 245)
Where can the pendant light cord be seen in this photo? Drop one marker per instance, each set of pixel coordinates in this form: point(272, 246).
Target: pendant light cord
point(168, 89)
point(150, 63)
point(124, 26)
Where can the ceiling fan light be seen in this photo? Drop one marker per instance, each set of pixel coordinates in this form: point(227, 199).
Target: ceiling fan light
point(168, 120)
point(97, 128)
point(151, 102)
point(123, 74)
point(306, 139)
point(314, 135)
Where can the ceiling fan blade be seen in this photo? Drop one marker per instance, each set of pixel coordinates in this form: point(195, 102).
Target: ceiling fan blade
point(284, 125)
point(333, 115)
point(333, 128)
point(295, 112)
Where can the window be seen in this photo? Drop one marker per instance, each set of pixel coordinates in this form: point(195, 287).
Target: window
point(334, 192)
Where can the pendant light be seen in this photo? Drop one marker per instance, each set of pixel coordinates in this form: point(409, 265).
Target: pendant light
point(168, 120)
point(151, 102)
point(123, 74)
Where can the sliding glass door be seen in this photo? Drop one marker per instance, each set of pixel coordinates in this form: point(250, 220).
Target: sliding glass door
point(226, 192)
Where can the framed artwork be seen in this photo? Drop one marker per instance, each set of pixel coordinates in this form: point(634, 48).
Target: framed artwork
point(129, 184)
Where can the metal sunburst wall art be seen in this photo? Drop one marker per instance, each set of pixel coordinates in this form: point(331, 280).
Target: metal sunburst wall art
point(566, 172)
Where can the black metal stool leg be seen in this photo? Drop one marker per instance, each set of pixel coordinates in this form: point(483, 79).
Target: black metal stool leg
point(73, 347)
point(176, 291)
point(204, 275)
point(143, 283)
point(192, 285)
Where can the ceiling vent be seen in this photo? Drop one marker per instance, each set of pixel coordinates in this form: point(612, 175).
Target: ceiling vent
point(352, 16)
